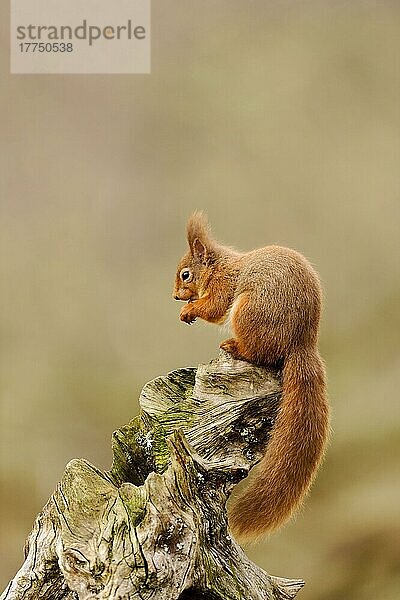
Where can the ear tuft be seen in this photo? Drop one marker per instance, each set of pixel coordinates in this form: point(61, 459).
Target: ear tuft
point(197, 227)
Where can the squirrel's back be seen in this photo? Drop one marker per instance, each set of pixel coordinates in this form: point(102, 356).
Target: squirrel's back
point(277, 304)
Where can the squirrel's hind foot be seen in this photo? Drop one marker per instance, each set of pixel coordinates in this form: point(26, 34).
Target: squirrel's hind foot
point(231, 346)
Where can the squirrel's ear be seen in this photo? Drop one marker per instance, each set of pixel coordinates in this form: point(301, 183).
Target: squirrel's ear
point(198, 235)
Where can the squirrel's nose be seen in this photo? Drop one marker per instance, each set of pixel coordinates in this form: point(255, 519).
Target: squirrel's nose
point(176, 297)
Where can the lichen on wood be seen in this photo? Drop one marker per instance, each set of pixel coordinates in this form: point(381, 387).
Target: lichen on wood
point(155, 525)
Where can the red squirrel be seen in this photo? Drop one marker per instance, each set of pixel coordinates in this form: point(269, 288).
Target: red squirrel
point(272, 297)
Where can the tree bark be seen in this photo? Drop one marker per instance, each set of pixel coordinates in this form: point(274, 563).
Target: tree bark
point(155, 525)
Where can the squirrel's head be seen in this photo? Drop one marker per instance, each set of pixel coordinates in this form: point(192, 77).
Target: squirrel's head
point(195, 268)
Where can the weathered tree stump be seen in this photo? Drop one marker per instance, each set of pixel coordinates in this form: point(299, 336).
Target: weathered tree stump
point(155, 525)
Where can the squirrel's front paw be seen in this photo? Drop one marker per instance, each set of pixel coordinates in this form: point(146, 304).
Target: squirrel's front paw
point(187, 314)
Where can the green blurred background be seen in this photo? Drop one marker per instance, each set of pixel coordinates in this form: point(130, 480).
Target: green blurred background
point(282, 121)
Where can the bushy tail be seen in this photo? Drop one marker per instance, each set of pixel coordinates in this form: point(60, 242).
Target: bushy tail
point(293, 454)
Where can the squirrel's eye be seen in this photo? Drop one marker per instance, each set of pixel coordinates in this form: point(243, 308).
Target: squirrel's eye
point(186, 275)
